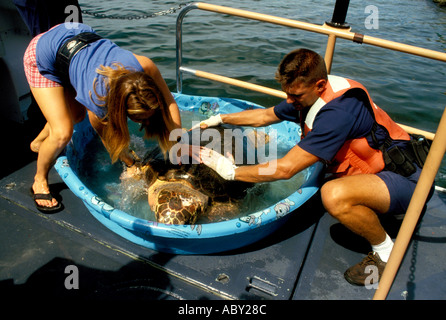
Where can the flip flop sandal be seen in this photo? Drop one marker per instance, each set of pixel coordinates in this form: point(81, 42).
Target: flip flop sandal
point(45, 196)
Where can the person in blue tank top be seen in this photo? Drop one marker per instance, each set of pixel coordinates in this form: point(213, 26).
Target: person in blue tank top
point(106, 82)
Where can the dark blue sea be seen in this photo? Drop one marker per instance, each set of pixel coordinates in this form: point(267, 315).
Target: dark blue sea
point(410, 88)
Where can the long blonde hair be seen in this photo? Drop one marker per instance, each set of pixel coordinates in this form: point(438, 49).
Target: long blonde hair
point(135, 95)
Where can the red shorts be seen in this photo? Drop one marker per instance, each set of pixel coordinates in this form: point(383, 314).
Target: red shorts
point(35, 79)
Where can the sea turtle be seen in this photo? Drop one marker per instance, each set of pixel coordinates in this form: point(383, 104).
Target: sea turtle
point(187, 193)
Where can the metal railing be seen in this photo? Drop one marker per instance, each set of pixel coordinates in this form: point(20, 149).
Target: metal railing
point(332, 32)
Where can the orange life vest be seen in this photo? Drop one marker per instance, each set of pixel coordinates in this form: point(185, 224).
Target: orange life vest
point(356, 156)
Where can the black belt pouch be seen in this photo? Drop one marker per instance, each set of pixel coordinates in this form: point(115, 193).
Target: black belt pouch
point(69, 49)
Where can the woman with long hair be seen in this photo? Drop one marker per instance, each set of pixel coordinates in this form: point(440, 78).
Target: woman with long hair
point(71, 72)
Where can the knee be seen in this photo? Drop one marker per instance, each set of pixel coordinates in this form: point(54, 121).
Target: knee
point(61, 137)
point(334, 198)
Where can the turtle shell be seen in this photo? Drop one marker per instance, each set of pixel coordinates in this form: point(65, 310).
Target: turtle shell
point(178, 204)
point(185, 193)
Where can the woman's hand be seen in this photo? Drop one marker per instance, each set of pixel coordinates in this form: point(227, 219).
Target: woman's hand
point(132, 162)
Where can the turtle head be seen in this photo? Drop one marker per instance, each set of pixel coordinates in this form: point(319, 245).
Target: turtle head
point(149, 174)
point(152, 165)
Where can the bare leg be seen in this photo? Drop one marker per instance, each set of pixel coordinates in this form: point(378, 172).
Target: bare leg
point(35, 144)
point(77, 111)
point(58, 131)
point(355, 201)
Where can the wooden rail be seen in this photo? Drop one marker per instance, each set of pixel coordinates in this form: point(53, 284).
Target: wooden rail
point(332, 33)
point(276, 93)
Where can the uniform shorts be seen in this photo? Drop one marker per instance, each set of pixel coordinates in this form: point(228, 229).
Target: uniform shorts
point(401, 189)
point(35, 79)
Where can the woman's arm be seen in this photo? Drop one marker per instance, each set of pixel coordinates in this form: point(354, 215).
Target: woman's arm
point(98, 126)
point(152, 70)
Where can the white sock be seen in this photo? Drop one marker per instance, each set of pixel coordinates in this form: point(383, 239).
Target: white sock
point(384, 249)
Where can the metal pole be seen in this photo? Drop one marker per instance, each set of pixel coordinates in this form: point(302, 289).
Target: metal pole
point(339, 15)
point(274, 92)
point(337, 21)
point(339, 33)
point(235, 82)
point(179, 43)
point(416, 205)
point(329, 52)
point(324, 29)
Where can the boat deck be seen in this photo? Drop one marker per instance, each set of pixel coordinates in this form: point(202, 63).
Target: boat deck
point(304, 260)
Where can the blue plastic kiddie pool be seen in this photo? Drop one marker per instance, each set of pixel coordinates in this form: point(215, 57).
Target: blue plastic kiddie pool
point(200, 238)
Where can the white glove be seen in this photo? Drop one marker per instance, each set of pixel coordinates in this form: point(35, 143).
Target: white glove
point(211, 122)
point(224, 166)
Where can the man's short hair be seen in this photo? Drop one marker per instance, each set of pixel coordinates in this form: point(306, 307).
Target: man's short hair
point(301, 65)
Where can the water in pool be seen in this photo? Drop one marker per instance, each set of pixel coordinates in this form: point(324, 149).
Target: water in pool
point(110, 182)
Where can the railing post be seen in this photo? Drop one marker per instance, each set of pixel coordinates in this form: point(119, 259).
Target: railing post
point(339, 15)
point(179, 43)
point(427, 178)
point(337, 21)
point(329, 52)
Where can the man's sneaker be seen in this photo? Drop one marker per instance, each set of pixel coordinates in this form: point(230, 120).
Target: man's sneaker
point(359, 273)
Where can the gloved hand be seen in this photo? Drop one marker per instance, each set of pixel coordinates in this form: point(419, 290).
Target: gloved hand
point(211, 122)
point(182, 153)
point(224, 166)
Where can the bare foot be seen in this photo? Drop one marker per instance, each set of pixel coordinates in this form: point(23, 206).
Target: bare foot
point(35, 146)
point(42, 188)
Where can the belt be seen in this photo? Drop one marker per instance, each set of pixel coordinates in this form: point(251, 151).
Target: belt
point(69, 49)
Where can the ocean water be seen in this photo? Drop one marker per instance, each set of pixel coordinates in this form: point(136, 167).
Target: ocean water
point(410, 88)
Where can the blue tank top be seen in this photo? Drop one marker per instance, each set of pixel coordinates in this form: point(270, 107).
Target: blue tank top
point(83, 66)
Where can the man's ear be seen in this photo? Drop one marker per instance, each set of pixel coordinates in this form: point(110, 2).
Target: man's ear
point(320, 85)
